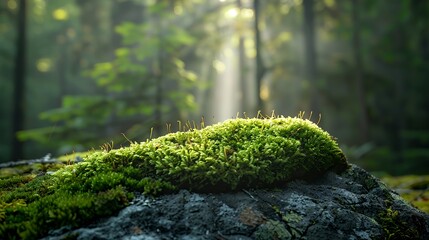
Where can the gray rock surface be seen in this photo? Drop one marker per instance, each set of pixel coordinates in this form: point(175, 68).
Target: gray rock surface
point(350, 205)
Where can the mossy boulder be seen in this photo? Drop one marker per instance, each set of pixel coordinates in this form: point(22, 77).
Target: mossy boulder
point(235, 154)
point(352, 204)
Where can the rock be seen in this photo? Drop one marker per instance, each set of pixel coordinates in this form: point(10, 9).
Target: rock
point(348, 205)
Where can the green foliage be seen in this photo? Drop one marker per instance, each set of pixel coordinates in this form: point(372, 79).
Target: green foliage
point(146, 77)
point(226, 156)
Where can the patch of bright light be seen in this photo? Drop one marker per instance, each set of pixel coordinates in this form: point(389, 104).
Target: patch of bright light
point(228, 52)
point(219, 66)
point(44, 64)
point(285, 36)
point(264, 93)
point(330, 3)
point(231, 13)
point(298, 2)
point(60, 14)
point(11, 4)
point(178, 10)
point(39, 7)
point(284, 9)
point(247, 13)
point(151, 2)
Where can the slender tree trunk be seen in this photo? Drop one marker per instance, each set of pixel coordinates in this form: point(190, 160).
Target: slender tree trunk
point(359, 81)
point(19, 82)
point(242, 63)
point(159, 73)
point(310, 55)
point(260, 70)
point(159, 89)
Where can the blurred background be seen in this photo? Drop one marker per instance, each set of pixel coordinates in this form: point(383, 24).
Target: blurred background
point(77, 74)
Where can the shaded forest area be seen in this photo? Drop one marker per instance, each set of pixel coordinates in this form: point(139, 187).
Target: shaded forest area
point(79, 74)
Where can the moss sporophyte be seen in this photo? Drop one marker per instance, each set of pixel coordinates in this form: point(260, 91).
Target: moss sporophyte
point(235, 154)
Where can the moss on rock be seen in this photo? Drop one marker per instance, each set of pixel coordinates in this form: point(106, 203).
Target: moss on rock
point(272, 230)
point(226, 156)
point(395, 228)
point(238, 153)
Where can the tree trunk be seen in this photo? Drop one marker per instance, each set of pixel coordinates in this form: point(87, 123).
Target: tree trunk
point(19, 82)
point(359, 81)
point(310, 55)
point(260, 70)
point(158, 69)
point(242, 62)
point(159, 80)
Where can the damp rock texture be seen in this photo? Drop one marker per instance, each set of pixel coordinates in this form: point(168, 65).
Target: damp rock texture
point(352, 204)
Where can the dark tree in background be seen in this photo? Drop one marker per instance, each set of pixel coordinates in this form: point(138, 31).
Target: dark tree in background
point(159, 68)
point(19, 81)
point(260, 69)
point(359, 81)
point(310, 54)
point(242, 61)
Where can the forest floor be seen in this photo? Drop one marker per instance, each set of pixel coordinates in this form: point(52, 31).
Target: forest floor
point(413, 188)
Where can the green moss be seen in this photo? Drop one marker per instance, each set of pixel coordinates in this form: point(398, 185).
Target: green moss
point(30, 221)
point(272, 230)
point(14, 182)
point(394, 228)
point(226, 156)
point(235, 154)
point(289, 219)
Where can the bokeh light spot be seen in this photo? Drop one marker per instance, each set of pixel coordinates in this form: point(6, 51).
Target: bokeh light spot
point(60, 14)
point(44, 64)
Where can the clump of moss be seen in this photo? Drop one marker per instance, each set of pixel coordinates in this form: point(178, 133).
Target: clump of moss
point(226, 156)
point(31, 220)
point(235, 154)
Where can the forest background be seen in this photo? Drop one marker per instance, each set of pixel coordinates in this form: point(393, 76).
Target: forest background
point(78, 74)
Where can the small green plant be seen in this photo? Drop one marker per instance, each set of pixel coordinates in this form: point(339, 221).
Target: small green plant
point(237, 153)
